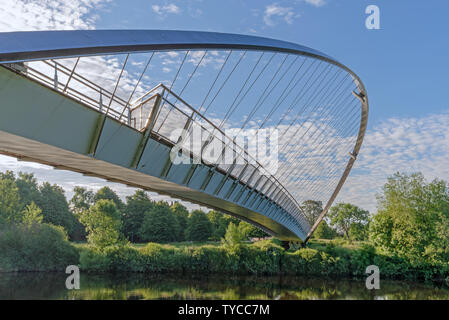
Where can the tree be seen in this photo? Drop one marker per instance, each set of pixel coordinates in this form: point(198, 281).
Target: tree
point(323, 231)
point(134, 213)
point(251, 231)
point(10, 205)
point(219, 224)
point(107, 193)
point(32, 214)
point(82, 200)
point(234, 237)
point(359, 231)
point(182, 215)
point(343, 215)
point(159, 224)
point(199, 228)
point(312, 210)
point(55, 208)
point(103, 223)
point(412, 220)
point(28, 188)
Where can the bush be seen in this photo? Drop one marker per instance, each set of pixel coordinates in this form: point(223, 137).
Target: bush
point(35, 247)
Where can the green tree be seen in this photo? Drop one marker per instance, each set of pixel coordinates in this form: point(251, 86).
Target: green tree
point(10, 205)
point(234, 237)
point(182, 215)
point(359, 231)
point(219, 224)
point(81, 201)
point(28, 188)
point(55, 208)
point(343, 215)
point(103, 223)
point(323, 231)
point(134, 213)
point(413, 218)
point(159, 224)
point(107, 193)
point(312, 210)
point(32, 214)
point(199, 228)
point(251, 231)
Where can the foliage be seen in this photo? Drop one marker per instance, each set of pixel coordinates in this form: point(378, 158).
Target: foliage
point(32, 214)
point(312, 210)
point(199, 228)
point(28, 188)
point(344, 215)
point(251, 231)
point(159, 224)
point(413, 219)
point(234, 237)
point(220, 223)
point(323, 231)
point(359, 231)
point(35, 247)
point(103, 224)
point(9, 201)
point(107, 193)
point(136, 207)
point(81, 200)
point(263, 257)
point(182, 215)
point(55, 208)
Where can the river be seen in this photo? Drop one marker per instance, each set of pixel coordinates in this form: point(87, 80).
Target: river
point(141, 286)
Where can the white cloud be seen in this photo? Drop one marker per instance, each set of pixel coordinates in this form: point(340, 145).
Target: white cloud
point(164, 10)
point(316, 3)
point(398, 144)
point(274, 10)
point(47, 15)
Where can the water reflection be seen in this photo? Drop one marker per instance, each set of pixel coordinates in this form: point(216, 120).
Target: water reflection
point(140, 286)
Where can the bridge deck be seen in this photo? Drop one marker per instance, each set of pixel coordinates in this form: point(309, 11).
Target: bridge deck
point(53, 129)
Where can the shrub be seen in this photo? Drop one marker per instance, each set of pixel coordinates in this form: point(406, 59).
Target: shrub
point(35, 247)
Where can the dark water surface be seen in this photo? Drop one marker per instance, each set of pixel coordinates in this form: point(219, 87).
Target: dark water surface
point(140, 286)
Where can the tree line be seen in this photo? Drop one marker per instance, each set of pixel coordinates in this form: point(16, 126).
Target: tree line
point(412, 220)
point(104, 218)
point(410, 230)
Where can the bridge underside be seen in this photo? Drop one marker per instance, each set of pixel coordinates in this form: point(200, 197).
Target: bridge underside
point(41, 125)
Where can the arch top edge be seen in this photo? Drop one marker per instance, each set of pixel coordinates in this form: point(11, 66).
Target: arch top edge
point(29, 45)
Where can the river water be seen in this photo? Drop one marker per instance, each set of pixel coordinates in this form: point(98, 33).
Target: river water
point(141, 286)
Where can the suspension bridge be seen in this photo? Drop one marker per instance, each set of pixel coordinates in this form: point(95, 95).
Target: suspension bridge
point(166, 111)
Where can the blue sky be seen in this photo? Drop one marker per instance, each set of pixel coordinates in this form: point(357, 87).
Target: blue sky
point(404, 65)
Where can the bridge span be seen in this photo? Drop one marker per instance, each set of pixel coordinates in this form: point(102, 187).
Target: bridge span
point(164, 111)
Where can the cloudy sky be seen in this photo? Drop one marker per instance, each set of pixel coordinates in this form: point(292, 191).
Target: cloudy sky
point(404, 67)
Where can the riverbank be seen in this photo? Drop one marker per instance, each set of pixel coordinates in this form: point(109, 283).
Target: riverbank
point(321, 258)
point(44, 248)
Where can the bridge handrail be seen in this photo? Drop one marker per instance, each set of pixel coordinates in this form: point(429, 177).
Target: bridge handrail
point(259, 165)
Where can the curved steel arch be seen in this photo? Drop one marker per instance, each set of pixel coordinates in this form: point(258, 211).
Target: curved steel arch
point(38, 45)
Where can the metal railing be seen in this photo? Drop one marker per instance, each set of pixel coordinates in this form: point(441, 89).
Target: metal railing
point(173, 113)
